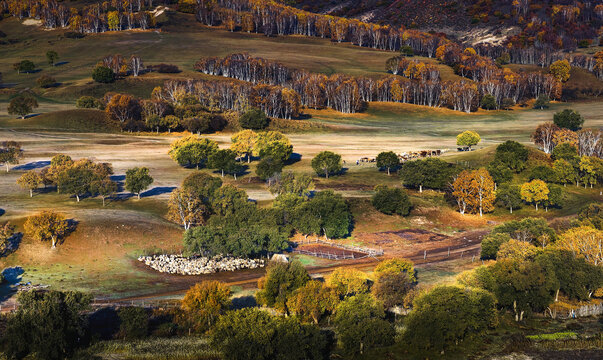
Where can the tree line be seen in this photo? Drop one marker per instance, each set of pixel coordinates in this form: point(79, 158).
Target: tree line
point(94, 18)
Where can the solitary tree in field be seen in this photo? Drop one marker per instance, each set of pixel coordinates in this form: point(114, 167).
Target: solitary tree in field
point(104, 188)
point(192, 150)
point(52, 57)
point(10, 152)
point(47, 226)
point(30, 181)
point(535, 191)
point(75, 181)
point(327, 162)
point(568, 119)
point(388, 160)
point(138, 180)
point(103, 74)
point(468, 138)
point(222, 160)
point(24, 66)
point(22, 105)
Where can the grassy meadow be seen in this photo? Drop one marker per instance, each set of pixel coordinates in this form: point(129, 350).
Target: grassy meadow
point(100, 256)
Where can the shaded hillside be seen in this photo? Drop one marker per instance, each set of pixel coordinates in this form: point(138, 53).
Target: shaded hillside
point(559, 22)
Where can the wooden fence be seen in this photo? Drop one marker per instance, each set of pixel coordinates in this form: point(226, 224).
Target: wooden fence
point(358, 249)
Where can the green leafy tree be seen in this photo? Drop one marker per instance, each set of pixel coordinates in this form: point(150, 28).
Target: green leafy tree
point(569, 119)
point(222, 160)
point(268, 168)
point(326, 213)
point(523, 287)
point(134, 322)
point(281, 280)
point(255, 334)
point(192, 151)
point(87, 102)
point(565, 151)
point(500, 172)
point(447, 317)
point(327, 162)
point(103, 74)
point(52, 57)
point(22, 105)
point(555, 197)
point(543, 172)
point(391, 201)
point(564, 172)
point(104, 188)
point(491, 244)
point(361, 326)
point(24, 66)
point(228, 199)
point(47, 324)
point(388, 160)
point(392, 288)
point(273, 144)
point(138, 180)
point(533, 230)
point(489, 102)
point(76, 181)
point(512, 154)
point(543, 102)
point(431, 173)
point(468, 138)
point(254, 119)
point(560, 69)
point(300, 185)
point(509, 196)
point(202, 185)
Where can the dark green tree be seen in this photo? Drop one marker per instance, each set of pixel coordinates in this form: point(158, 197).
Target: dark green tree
point(253, 334)
point(281, 280)
point(544, 173)
point(543, 102)
point(52, 57)
point(138, 180)
point(592, 215)
point(134, 322)
point(47, 324)
point(391, 201)
point(76, 181)
point(512, 154)
point(361, 326)
point(509, 196)
point(326, 211)
point(491, 244)
point(392, 288)
point(489, 102)
point(327, 162)
point(22, 105)
point(202, 185)
point(103, 74)
point(533, 230)
point(388, 160)
point(566, 151)
point(500, 172)
point(268, 168)
point(24, 66)
point(445, 318)
point(569, 119)
point(254, 119)
point(431, 173)
point(222, 160)
point(555, 197)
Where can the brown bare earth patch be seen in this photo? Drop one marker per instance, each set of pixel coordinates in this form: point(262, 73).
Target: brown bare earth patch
point(329, 250)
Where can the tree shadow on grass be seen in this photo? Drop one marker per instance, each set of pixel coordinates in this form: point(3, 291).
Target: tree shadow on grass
point(159, 190)
point(33, 165)
point(242, 302)
point(12, 277)
point(12, 244)
point(295, 157)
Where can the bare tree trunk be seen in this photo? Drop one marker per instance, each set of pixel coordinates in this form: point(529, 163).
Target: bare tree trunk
point(30, 192)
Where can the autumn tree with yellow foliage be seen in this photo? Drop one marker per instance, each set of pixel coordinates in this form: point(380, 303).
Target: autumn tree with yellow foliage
point(583, 241)
point(474, 191)
point(535, 191)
